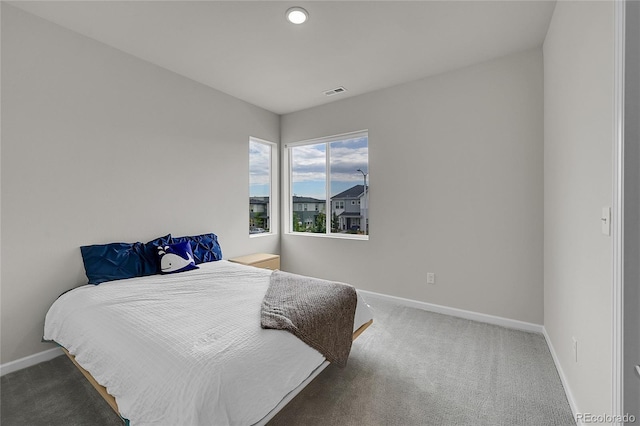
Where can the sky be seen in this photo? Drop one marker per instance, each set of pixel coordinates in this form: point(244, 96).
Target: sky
point(309, 167)
point(259, 163)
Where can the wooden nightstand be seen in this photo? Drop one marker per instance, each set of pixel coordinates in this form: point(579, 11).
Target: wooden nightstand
point(259, 260)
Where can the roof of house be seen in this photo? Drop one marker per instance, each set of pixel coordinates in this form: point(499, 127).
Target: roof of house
point(297, 199)
point(353, 192)
point(258, 200)
point(349, 214)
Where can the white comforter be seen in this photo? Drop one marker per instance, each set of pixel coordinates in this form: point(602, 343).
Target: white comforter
point(186, 348)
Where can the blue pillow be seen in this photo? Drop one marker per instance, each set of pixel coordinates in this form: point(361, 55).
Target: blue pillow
point(205, 247)
point(114, 261)
point(117, 261)
point(176, 258)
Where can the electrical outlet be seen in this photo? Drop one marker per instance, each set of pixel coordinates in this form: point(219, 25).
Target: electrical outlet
point(431, 278)
point(575, 349)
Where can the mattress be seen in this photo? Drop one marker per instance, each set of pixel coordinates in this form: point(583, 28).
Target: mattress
point(185, 348)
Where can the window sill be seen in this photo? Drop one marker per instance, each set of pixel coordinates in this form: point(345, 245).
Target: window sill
point(262, 234)
point(334, 236)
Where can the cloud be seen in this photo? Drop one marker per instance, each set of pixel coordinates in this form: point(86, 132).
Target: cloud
point(346, 157)
point(346, 161)
point(259, 163)
point(308, 163)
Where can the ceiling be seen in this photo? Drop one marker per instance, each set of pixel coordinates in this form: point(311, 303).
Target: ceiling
point(248, 50)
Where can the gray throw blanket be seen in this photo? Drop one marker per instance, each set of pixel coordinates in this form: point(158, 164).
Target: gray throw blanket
point(318, 312)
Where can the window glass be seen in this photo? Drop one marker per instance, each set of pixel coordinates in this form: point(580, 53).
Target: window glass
point(308, 182)
point(349, 160)
point(261, 203)
point(330, 173)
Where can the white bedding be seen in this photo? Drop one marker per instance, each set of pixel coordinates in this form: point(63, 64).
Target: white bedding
point(186, 348)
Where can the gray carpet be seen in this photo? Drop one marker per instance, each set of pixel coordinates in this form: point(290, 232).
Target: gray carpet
point(413, 367)
point(410, 367)
point(53, 393)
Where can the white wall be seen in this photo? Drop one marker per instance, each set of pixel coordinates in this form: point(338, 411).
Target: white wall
point(578, 120)
point(99, 146)
point(632, 211)
point(462, 153)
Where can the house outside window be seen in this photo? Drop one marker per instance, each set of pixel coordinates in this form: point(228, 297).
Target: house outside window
point(328, 173)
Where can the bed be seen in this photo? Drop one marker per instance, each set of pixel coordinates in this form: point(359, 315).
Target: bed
point(186, 348)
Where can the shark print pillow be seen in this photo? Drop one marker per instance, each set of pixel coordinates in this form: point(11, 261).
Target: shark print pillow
point(176, 258)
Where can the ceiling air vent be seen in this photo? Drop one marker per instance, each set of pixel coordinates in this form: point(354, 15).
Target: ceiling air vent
point(335, 91)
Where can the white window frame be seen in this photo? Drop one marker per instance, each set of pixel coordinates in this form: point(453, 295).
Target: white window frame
point(274, 202)
point(288, 190)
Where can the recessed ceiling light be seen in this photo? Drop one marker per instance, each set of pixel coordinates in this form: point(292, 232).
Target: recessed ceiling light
point(297, 15)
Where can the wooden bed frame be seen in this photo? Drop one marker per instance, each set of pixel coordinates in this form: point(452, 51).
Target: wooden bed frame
point(112, 401)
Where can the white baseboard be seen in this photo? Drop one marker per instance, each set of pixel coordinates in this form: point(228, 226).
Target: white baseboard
point(460, 313)
point(30, 360)
point(563, 379)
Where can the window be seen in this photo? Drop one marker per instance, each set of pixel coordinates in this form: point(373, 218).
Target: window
point(328, 172)
point(263, 203)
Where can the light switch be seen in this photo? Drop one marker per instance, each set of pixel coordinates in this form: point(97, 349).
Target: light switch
point(606, 220)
